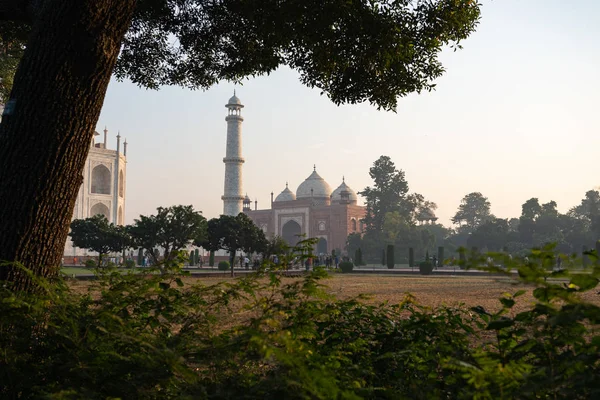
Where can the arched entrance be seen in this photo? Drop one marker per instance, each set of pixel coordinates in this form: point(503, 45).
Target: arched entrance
point(101, 209)
point(101, 180)
point(322, 246)
point(290, 232)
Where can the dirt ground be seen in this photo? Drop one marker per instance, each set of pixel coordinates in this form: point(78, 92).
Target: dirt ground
point(429, 291)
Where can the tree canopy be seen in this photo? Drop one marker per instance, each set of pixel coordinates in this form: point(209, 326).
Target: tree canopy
point(171, 229)
point(474, 210)
point(97, 234)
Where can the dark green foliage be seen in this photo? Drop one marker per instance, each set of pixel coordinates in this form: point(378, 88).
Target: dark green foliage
point(360, 261)
point(192, 259)
point(97, 234)
point(440, 257)
point(411, 257)
point(585, 260)
point(172, 229)
point(140, 256)
point(383, 257)
point(346, 266)
point(233, 234)
point(425, 267)
point(196, 256)
point(211, 259)
point(130, 263)
point(158, 338)
point(390, 256)
point(224, 266)
point(90, 263)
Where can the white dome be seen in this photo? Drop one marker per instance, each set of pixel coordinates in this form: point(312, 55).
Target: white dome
point(336, 196)
point(313, 187)
point(286, 195)
point(234, 100)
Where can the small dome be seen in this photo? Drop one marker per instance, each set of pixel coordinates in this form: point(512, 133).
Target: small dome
point(234, 101)
point(286, 195)
point(314, 186)
point(247, 199)
point(336, 196)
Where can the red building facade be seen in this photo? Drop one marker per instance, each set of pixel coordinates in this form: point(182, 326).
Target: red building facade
point(314, 211)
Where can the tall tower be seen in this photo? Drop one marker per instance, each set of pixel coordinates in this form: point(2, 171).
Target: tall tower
point(232, 197)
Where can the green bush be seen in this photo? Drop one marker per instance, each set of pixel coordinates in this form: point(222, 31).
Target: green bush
point(346, 266)
point(90, 263)
point(211, 259)
point(161, 338)
point(224, 266)
point(130, 263)
point(425, 267)
point(390, 256)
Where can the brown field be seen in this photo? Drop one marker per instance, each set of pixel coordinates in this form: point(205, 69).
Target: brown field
point(429, 291)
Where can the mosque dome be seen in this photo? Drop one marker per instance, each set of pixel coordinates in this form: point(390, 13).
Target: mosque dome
point(234, 101)
point(247, 199)
point(286, 195)
point(313, 187)
point(336, 196)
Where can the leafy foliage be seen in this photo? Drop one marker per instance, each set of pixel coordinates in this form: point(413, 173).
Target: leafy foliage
point(97, 234)
point(223, 266)
point(154, 336)
point(346, 266)
point(473, 211)
point(172, 229)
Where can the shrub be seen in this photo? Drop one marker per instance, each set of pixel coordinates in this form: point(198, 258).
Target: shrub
point(425, 267)
point(390, 256)
point(192, 260)
point(211, 259)
point(346, 266)
point(90, 263)
point(360, 257)
point(130, 263)
point(224, 266)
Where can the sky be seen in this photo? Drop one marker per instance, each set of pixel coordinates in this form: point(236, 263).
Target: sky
point(516, 115)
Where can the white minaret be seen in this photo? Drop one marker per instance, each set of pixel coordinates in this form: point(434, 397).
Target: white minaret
point(233, 198)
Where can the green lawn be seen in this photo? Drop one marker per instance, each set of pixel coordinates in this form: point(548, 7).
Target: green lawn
point(76, 270)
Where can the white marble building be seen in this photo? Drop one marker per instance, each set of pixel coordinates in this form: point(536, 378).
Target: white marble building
point(104, 186)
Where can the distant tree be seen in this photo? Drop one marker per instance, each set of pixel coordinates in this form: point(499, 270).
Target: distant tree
point(395, 225)
point(589, 211)
point(375, 51)
point(353, 242)
point(97, 234)
point(172, 229)
point(386, 195)
point(390, 261)
point(276, 246)
point(473, 211)
point(234, 233)
point(491, 235)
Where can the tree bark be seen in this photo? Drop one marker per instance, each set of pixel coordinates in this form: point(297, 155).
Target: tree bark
point(48, 125)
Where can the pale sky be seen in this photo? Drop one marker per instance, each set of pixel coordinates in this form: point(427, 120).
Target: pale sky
point(515, 116)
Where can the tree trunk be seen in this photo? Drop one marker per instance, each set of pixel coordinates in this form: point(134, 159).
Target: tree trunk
point(48, 125)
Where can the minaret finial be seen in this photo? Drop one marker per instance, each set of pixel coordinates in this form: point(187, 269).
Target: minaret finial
point(286, 184)
point(315, 167)
point(343, 179)
point(234, 91)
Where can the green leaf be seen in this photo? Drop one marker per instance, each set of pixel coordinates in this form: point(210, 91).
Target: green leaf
point(519, 293)
point(500, 324)
point(506, 302)
point(584, 281)
point(179, 282)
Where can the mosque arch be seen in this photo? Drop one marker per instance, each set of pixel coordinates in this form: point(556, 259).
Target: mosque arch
point(101, 180)
point(120, 216)
point(290, 232)
point(322, 246)
point(121, 184)
point(101, 209)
